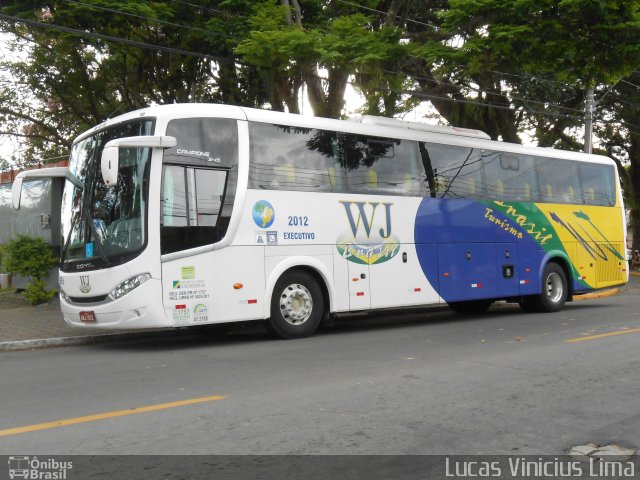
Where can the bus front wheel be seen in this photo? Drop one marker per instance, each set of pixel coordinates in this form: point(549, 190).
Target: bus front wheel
point(554, 291)
point(296, 306)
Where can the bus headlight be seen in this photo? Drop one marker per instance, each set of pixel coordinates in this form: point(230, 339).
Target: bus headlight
point(63, 295)
point(128, 285)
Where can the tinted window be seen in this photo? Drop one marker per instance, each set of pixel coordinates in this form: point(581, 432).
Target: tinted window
point(203, 141)
point(558, 181)
point(509, 176)
point(452, 171)
point(293, 158)
point(381, 166)
point(597, 184)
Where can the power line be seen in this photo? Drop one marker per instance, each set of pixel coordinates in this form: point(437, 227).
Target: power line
point(141, 17)
point(209, 9)
point(467, 101)
point(144, 45)
point(480, 90)
point(110, 38)
point(362, 7)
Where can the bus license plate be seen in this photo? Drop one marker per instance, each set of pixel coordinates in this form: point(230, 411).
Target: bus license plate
point(88, 317)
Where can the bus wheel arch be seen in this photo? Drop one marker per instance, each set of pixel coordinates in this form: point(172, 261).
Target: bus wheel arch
point(297, 304)
point(555, 288)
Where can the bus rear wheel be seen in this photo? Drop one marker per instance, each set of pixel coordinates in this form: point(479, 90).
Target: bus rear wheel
point(554, 291)
point(297, 306)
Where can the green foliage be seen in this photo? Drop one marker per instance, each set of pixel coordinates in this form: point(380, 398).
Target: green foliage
point(579, 41)
point(2, 258)
point(36, 292)
point(31, 258)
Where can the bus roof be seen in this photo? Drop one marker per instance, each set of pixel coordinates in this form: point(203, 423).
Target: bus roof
point(369, 125)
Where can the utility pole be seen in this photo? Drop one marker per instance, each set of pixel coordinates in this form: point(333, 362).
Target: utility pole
point(588, 120)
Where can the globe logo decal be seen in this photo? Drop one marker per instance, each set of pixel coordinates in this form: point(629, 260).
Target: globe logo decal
point(263, 214)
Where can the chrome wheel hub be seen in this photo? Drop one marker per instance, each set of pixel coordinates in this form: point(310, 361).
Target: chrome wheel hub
point(554, 287)
point(296, 304)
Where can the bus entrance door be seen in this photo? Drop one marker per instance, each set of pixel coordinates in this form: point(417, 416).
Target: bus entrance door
point(359, 287)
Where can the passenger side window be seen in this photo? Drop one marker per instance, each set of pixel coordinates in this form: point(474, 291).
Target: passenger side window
point(377, 165)
point(452, 171)
point(597, 184)
point(293, 158)
point(509, 176)
point(558, 181)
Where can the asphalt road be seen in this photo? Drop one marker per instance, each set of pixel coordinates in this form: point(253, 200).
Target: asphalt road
point(430, 383)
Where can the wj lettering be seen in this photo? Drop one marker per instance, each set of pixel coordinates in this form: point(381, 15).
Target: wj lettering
point(367, 220)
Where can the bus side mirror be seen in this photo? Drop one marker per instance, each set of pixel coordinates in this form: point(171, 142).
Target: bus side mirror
point(50, 172)
point(109, 161)
point(16, 192)
point(109, 164)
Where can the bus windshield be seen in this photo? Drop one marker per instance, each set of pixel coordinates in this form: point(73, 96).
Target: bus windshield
point(105, 226)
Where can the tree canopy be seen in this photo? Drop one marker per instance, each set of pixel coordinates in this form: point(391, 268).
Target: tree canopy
point(515, 69)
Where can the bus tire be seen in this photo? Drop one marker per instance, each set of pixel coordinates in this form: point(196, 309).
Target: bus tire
point(471, 306)
point(554, 291)
point(297, 306)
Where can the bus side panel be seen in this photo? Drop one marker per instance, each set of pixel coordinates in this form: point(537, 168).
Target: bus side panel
point(280, 258)
point(528, 274)
point(507, 261)
point(204, 289)
point(469, 271)
point(483, 248)
point(598, 236)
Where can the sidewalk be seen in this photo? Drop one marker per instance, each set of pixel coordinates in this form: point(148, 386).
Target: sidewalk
point(23, 326)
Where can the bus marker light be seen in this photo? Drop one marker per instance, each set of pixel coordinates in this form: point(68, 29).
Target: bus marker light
point(476, 285)
point(360, 294)
point(237, 286)
point(524, 282)
point(527, 269)
point(446, 274)
point(252, 301)
point(417, 289)
point(355, 279)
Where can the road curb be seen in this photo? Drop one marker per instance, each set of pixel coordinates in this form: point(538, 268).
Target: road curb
point(81, 340)
point(634, 274)
point(603, 294)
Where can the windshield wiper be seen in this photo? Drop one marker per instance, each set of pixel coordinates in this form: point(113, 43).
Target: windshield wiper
point(89, 219)
point(97, 238)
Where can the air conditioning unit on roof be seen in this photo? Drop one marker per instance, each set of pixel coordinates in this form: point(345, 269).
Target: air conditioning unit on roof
point(422, 127)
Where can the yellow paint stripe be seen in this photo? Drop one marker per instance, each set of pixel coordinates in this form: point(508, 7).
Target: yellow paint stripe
point(103, 416)
point(604, 335)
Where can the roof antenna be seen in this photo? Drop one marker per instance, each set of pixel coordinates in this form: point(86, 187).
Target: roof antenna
point(115, 111)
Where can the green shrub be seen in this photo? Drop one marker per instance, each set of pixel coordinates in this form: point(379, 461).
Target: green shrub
point(2, 258)
point(36, 292)
point(31, 258)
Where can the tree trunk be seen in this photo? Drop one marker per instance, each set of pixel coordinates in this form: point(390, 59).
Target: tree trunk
point(634, 178)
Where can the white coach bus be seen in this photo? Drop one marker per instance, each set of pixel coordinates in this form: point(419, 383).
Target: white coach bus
point(184, 215)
